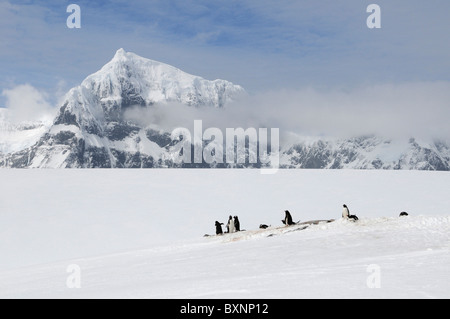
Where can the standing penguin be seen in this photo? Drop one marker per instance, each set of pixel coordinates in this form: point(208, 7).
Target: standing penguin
point(219, 228)
point(287, 219)
point(230, 225)
point(237, 224)
point(345, 212)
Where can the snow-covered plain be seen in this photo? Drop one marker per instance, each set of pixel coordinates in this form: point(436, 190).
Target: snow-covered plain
point(139, 234)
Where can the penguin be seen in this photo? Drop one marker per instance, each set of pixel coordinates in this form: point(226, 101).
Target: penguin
point(346, 213)
point(237, 224)
point(403, 214)
point(219, 228)
point(263, 226)
point(287, 219)
point(230, 225)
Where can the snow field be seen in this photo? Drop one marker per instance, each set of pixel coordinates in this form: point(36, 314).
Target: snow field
point(322, 261)
point(139, 234)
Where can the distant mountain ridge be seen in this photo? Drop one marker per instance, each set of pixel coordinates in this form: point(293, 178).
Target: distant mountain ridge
point(368, 152)
point(91, 130)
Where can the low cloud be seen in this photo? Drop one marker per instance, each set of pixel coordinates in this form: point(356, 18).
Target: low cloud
point(26, 103)
point(389, 110)
point(419, 110)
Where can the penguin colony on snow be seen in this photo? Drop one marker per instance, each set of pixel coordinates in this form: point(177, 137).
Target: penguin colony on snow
point(233, 224)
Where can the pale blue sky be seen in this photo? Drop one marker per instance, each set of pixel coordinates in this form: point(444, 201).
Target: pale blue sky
point(259, 44)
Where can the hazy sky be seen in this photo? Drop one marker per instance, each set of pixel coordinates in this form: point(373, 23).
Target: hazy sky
point(276, 48)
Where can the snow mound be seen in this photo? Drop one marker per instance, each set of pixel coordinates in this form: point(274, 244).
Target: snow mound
point(321, 261)
point(396, 229)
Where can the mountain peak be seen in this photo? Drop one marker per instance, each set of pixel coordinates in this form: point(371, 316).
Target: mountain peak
point(120, 52)
point(149, 82)
point(91, 128)
point(122, 56)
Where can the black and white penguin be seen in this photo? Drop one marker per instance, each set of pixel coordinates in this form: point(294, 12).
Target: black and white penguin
point(219, 228)
point(403, 214)
point(346, 213)
point(287, 219)
point(263, 226)
point(230, 225)
point(237, 224)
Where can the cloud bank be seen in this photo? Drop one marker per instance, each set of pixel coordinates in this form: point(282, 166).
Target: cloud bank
point(419, 110)
point(26, 103)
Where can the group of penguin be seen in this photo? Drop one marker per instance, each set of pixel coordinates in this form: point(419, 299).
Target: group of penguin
point(233, 224)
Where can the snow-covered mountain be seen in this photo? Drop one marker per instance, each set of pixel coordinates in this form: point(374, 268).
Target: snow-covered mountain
point(367, 152)
point(93, 127)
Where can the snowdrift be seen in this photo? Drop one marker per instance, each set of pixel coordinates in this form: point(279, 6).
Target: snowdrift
point(405, 257)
